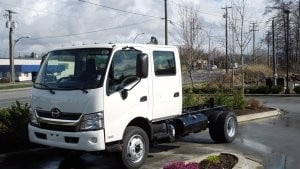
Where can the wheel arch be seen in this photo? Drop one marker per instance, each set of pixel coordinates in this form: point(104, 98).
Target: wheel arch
point(144, 124)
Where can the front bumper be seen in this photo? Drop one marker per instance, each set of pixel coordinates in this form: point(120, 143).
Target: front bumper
point(85, 141)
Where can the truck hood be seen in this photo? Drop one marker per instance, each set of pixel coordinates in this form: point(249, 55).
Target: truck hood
point(73, 101)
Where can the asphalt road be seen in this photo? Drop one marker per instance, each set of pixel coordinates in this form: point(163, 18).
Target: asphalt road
point(273, 142)
point(8, 98)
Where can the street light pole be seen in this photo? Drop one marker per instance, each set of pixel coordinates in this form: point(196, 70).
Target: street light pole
point(13, 53)
point(137, 36)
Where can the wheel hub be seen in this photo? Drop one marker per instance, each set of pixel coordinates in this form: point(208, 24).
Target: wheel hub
point(231, 127)
point(135, 148)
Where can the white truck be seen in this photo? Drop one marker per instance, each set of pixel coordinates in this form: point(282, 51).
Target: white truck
point(117, 97)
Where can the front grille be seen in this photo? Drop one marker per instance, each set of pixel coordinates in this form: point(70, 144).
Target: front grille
point(58, 127)
point(62, 116)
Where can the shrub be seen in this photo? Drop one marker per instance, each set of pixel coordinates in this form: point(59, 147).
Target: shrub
point(253, 104)
point(238, 100)
point(192, 99)
point(276, 89)
point(4, 80)
point(235, 101)
point(297, 89)
point(213, 159)
point(186, 90)
point(222, 99)
point(208, 90)
point(181, 165)
point(258, 90)
point(15, 118)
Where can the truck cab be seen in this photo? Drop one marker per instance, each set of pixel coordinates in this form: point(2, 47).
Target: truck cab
point(112, 97)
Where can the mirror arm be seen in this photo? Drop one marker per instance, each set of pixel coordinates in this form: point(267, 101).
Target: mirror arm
point(134, 84)
point(124, 92)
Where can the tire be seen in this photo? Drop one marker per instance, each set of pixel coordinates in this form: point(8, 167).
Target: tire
point(135, 147)
point(224, 128)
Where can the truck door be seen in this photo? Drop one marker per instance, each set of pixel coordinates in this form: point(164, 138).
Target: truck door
point(167, 93)
point(118, 111)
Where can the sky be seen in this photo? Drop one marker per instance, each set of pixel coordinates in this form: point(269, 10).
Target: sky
point(58, 23)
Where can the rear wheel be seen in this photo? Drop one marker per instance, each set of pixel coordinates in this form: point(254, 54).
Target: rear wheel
point(135, 147)
point(224, 128)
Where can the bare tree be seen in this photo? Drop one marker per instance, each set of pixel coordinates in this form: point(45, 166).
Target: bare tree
point(239, 8)
point(278, 10)
point(190, 32)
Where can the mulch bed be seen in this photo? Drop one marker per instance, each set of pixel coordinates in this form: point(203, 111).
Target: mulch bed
point(227, 161)
point(247, 111)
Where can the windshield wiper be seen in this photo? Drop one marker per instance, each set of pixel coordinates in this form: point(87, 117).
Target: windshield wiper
point(74, 87)
point(46, 86)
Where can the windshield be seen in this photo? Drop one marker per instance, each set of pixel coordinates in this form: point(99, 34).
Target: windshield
point(73, 69)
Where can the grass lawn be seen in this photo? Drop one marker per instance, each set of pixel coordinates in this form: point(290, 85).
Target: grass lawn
point(4, 86)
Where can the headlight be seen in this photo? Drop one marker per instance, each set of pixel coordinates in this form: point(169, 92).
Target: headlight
point(33, 119)
point(92, 121)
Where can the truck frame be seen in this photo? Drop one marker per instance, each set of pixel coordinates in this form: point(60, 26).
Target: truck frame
point(118, 97)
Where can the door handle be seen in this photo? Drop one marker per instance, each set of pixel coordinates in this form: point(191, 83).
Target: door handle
point(143, 99)
point(176, 94)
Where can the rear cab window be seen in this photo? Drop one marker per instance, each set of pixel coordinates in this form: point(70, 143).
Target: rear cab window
point(164, 63)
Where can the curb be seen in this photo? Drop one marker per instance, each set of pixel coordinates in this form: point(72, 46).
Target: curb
point(256, 116)
point(273, 95)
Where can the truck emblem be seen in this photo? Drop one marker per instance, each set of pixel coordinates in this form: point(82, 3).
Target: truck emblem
point(55, 113)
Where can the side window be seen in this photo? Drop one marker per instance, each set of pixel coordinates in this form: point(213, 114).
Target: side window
point(122, 70)
point(164, 63)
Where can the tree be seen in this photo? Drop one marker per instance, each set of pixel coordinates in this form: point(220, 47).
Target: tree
point(279, 9)
point(239, 8)
point(190, 33)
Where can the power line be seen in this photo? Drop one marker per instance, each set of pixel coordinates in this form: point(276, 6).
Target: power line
point(198, 11)
point(120, 10)
point(89, 32)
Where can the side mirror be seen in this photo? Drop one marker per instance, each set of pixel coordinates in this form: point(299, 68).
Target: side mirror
point(33, 76)
point(142, 65)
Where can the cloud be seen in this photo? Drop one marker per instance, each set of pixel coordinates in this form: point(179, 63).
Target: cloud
point(50, 18)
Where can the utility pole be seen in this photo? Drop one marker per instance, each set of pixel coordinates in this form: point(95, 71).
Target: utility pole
point(233, 51)
point(287, 32)
point(273, 53)
point(268, 41)
point(226, 35)
point(10, 25)
point(166, 23)
point(254, 24)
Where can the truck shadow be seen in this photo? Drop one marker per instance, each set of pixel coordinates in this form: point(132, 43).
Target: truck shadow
point(196, 138)
point(92, 161)
point(161, 147)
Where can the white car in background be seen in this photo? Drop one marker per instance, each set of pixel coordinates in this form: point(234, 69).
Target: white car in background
point(212, 67)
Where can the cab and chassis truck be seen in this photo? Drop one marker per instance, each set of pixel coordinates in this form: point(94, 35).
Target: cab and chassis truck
point(118, 97)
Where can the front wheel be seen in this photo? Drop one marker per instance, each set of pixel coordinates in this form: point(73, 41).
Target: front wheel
point(224, 128)
point(135, 147)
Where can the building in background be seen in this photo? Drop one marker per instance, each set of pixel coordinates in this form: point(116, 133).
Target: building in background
point(23, 68)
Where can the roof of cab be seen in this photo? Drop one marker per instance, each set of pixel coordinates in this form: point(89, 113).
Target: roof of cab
point(112, 45)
